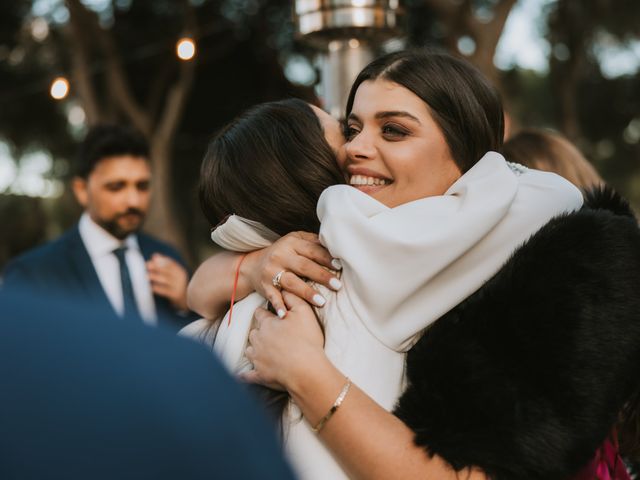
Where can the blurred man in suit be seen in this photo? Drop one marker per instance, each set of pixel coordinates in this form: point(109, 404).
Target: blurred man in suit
point(82, 398)
point(105, 257)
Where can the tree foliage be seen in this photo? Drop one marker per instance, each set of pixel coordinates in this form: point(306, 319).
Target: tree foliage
point(592, 109)
point(123, 69)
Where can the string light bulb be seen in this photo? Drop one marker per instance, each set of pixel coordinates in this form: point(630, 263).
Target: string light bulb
point(59, 88)
point(186, 49)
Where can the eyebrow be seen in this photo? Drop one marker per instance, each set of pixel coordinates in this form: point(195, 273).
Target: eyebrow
point(387, 114)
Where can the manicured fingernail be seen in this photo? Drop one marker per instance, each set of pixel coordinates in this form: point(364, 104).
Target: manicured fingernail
point(319, 300)
point(337, 264)
point(335, 283)
point(281, 312)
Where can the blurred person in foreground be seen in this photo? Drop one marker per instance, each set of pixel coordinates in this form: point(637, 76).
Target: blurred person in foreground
point(127, 402)
point(549, 151)
point(105, 257)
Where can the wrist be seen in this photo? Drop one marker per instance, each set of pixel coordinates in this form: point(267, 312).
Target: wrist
point(248, 267)
point(180, 303)
point(243, 285)
point(315, 389)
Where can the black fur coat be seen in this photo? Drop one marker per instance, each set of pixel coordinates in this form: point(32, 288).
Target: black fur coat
point(524, 379)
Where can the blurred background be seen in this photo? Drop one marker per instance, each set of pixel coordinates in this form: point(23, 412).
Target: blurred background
point(179, 70)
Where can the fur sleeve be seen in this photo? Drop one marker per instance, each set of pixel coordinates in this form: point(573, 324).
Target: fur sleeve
point(524, 379)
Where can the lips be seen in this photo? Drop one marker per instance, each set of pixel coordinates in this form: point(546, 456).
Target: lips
point(367, 181)
point(131, 213)
point(131, 218)
point(359, 180)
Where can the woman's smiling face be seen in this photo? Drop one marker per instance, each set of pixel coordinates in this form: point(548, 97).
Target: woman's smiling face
point(395, 150)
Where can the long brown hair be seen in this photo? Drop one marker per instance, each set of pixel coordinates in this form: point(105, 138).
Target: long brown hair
point(269, 165)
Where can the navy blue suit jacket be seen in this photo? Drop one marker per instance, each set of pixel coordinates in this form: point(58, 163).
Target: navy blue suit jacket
point(83, 398)
point(63, 267)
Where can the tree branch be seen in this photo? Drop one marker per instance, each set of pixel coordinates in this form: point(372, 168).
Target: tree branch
point(176, 100)
point(457, 17)
point(443, 8)
point(81, 70)
point(178, 93)
point(159, 85)
point(495, 27)
point(121, 92)
point(116, 77)
point(486, 35)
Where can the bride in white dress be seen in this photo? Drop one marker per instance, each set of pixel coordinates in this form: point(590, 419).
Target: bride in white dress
point(427, 219)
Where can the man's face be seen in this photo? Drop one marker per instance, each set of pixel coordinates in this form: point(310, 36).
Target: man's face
point(116, 193)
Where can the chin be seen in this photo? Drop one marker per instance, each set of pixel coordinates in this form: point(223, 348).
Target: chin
point(121, 231)
point(121, 234)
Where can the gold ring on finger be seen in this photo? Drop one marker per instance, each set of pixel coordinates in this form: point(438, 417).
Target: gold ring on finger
point(276, 279)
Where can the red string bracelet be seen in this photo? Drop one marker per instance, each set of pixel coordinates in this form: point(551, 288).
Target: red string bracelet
point(235, 286)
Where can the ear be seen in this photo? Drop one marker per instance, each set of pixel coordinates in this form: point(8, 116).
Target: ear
point(79, 186)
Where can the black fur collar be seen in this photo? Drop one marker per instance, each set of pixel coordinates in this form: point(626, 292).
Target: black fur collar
point(524, 379)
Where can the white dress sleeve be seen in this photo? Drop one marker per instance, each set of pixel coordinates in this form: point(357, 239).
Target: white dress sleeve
point(405, 267)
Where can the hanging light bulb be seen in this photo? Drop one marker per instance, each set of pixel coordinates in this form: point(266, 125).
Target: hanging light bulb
point(59, 88)
point(186, 48)
point(39, 29)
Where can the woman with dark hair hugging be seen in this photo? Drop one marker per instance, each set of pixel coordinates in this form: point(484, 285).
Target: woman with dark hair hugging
point(477, 301)
point(261, 179)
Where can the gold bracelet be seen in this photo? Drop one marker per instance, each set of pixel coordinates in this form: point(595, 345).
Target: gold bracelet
point(334, 407)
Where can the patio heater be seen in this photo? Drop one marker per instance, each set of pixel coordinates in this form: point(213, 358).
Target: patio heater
point(346, 34)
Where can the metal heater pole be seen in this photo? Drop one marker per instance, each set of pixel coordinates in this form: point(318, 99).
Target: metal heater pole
point(346, 35)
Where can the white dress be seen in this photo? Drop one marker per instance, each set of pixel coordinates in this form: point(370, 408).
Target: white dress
point(403, 268)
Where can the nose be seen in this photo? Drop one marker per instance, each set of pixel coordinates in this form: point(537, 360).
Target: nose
point(134, 197)
point(360, 147)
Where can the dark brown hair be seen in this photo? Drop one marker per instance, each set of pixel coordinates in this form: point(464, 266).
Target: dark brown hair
point(269, 165)
point(104, 141)
point(463, 103)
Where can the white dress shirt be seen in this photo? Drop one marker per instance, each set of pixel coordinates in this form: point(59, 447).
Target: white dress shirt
point(100, 245)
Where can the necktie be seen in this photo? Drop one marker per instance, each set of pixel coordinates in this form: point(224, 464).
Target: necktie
point(130, 305)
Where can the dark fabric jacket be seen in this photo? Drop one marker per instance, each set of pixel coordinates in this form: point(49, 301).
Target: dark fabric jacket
point(84, 397)
point(524, 379)
point(63, 268)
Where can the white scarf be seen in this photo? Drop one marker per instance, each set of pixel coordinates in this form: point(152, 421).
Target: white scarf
point(239, 234)
point(404, 267)
point(229, 341)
